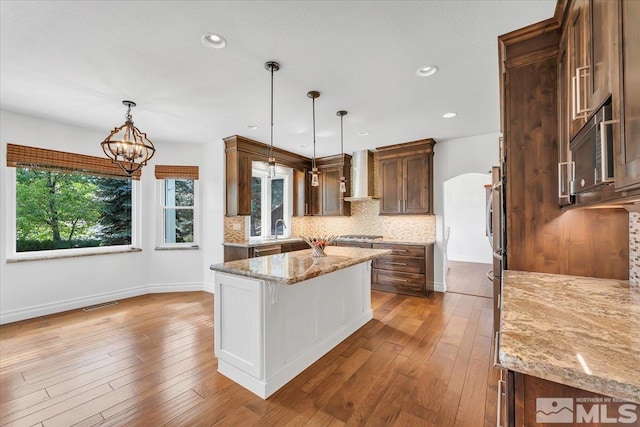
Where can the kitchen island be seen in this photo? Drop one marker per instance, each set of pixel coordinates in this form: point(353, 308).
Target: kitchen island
point(276, 315)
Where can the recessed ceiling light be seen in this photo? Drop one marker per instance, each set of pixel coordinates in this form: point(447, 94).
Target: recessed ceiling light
point(429, 70)
point(364, 133)
point(449, 115)
point(213, 40)
point(253, 127)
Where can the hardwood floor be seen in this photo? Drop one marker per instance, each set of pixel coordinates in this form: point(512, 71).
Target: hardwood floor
point(149, 361)
point(469, 278)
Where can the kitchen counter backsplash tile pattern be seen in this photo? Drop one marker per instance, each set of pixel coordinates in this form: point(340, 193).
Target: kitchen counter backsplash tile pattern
point(634, 247)
point(364, 219)
point(234, 229)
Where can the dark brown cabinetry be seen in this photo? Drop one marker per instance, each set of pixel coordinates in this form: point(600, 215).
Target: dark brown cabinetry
point(408, 269)
point(326, 199)
point(406, 178)
point(240, 154)
point(540, 236)
point(233, 253)
point(519, 405)
point(627, 153)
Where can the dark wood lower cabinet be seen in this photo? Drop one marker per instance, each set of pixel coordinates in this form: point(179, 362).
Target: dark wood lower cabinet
point(233, 253)
point(531, 401)
point(408, 269)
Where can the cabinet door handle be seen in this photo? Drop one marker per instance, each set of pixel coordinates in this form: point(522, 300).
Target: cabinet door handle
point(580, 111)
point(501, 394)
point(496, 357)
point(570, 178)
point(399, 205)
point(405, 205)
point(604, 159)
point(397, 263)
point(490, 275)
point(393, 279)
point(306, 208)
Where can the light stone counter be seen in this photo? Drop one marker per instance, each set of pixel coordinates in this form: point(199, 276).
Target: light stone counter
point(293, 267)
point(579, 331)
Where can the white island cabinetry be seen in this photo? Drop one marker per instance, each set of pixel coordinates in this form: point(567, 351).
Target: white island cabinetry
point(276, 315)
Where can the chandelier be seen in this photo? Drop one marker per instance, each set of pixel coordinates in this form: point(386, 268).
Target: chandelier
point(127, 146)
point(272, 66)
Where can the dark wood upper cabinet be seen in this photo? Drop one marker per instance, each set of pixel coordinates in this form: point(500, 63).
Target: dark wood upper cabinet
point(406, 178)
point(578, 49)
point(326, 199)
point(627, 152)
point(240, 154)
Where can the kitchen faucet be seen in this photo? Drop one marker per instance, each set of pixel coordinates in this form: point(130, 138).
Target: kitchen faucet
point(276, 227)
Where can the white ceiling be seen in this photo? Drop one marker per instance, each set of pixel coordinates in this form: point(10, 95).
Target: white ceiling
point(75, 61)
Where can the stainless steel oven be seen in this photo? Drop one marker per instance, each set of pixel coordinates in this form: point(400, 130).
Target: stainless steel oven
point(592, 151)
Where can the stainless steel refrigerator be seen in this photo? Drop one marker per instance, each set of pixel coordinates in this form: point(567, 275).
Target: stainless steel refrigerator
point(496, 234)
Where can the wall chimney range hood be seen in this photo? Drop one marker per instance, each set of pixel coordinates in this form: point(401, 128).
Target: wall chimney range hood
point(362, 177)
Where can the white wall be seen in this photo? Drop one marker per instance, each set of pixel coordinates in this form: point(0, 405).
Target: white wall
point(452, 158)
point(34, 288)
point(465, 214)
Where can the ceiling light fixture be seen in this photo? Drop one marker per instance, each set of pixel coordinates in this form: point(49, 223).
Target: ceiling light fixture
point(343, 180)
point(314, 169)
point(427, 71)
point(364, 133)
point(449, 115)
point(271, 66)
point(213, 40)
point(127, 146)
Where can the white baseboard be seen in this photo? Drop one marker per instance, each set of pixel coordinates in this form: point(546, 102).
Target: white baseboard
point(209, 287)
point(75, 303)
point(439, 287)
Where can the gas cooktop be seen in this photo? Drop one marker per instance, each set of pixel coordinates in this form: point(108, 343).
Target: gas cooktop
point(360, 236)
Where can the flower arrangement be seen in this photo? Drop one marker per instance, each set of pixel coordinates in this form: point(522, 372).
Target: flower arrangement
point(318, 244)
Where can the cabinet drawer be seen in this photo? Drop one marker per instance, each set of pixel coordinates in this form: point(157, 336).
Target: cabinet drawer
point(404, 250)
point(400, 263)
point(394, 281)
point(354, 244)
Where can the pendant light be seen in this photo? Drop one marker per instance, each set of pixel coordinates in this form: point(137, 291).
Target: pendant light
point(343, 180)
point(271, 66)
point(314, 169)
point(127, 146)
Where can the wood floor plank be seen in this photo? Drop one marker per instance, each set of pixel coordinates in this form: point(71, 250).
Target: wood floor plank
point(420, 361)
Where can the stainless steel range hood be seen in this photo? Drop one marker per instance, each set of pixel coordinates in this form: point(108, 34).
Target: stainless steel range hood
point(362, 177)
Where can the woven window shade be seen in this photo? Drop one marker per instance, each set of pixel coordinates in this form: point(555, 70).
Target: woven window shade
point(177, 172)
point(40, 158)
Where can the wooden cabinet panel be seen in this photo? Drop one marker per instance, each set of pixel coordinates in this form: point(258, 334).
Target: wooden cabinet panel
point(326, 199)
point(403, 250)
point(627, 172)
point(354, 244)
point(390, 172)
point(293, 246)
point(415, 170)
point(399, 282)
point(406, 178)
point(400, 263)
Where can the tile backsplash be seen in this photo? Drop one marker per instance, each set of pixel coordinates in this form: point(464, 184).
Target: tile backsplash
point(634, 247)
point(364, 219)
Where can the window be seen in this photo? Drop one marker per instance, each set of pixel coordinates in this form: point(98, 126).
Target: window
point(178, 196)
point(56, 209)
point(270, 202)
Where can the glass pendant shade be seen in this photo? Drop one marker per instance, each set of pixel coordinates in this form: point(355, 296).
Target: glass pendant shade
point(343, 185)
point(272, 168)
point(126, 146)
point(314, 177)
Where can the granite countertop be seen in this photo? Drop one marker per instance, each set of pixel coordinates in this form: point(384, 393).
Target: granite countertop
point(268, 242)
point(390, 240)
point(293, 267)
point(579, 331)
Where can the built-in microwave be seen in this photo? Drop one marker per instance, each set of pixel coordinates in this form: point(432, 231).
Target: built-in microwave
point(592, 151)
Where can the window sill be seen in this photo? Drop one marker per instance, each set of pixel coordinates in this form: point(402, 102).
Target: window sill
point(75, 255)
point(177, 248)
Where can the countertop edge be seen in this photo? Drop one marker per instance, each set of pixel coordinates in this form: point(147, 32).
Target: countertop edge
point(572, 378)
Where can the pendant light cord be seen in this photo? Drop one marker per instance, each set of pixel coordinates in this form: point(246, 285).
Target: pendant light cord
point(271, 146)
point(342, 143)
point(314, 131)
